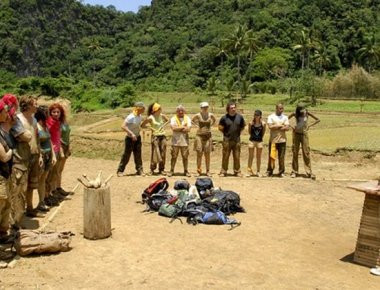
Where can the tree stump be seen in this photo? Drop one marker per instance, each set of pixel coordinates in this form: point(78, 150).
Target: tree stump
point(97, 213)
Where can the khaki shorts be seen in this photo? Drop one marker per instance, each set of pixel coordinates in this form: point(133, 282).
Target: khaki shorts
point(4, 188)
point(255, 144)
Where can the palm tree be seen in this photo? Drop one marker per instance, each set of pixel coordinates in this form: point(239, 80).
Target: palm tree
point(211, 85)
point(236, 44)
point(222, 52)
point(305, 45)
point(369, 54)
point(251, 44)
point(322, 58)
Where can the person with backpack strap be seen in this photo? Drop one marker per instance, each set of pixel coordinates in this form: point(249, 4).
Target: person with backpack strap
point(181, 125)
point(203, 141)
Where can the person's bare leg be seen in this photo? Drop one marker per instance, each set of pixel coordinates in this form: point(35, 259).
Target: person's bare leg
point(258, 160)
point(250, 161)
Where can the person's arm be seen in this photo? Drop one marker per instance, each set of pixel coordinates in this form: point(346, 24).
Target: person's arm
point(5, 156)
point(249, 128)
point(213, 120)
point(26, 136)
point(264, 127)
point(145, 122)
point(285, 126)
point(292, 115)
point(165, 118)
point(124, 126)
point(53, 157)
point(187, 126)
point(175, 127)
point(317, 120)
point(221, 125)
point(242, 124)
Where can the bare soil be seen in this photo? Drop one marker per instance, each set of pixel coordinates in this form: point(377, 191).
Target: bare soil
point(296, 234)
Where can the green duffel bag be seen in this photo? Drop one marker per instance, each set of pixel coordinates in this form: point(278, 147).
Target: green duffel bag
point(168, 210)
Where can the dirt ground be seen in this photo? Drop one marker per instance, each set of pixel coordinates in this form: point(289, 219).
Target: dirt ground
point(296, 234)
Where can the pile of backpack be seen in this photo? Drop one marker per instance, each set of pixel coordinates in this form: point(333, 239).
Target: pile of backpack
point(199, 203)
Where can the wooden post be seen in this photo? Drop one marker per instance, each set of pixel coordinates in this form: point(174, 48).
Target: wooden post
point(96, 213)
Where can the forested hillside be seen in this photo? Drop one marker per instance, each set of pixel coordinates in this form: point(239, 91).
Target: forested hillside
point(181, 45)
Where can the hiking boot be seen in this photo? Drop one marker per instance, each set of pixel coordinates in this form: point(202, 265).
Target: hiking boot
point(268, 174)
point(187, 174)
point(42, 207)
point(162, 172)
point(140, 173)
point(311, 176)
point(258, 174)
point(293, 175)
point(62, 191)
point(31, 213)
point(120, 174)
point(51, 201)
point(170, 174)
point(222, 174)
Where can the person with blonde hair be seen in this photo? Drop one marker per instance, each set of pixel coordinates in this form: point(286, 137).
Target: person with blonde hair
point(157, 122)
point(203, 141)
point(180, 124)
point(131, 126)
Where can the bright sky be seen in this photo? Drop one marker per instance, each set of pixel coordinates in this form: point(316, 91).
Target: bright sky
point(123, 5)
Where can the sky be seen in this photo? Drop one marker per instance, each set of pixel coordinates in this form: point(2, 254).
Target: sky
point(123, 5)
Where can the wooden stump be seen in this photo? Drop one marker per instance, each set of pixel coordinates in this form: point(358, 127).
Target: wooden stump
point(97, 213)
point(367, 250)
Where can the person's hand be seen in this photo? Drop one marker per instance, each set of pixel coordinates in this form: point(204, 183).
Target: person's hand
point(134, 138)
point(40, 161)
point(53, 161)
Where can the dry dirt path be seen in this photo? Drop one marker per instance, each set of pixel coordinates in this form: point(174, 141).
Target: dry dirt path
point(296, 234)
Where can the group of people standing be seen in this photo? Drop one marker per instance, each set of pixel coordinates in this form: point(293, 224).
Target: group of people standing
point(231, 125)
point(34, 146)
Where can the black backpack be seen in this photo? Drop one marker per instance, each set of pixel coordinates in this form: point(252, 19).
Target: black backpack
point(204, 185)
point(225, 201)
point(155, 201)
point(181, 184)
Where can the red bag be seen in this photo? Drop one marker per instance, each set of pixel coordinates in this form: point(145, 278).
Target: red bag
point(155, 187)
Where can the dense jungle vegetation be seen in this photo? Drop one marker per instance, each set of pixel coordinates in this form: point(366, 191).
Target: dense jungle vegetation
point(100, 57)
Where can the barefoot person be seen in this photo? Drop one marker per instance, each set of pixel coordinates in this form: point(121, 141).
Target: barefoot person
point(256, 131)
point(203, 141)
point(278, 124)
point(180, 124)
point(131, 126)
point(157, 122)
point(301, 137)
point(231, 125)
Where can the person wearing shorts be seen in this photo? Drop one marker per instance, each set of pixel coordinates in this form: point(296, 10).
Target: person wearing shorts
point(256, 131)
point(203, 141)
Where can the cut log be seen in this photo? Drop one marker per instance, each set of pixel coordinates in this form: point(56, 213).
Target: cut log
point(97, 213)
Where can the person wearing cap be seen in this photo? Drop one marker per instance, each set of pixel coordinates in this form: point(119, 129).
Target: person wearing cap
point(256, 131)
point(131, 126)
point(180, 124)
point(157, 122)
point(203, 141)
point(278, 124)
point(301, 137)
point(231, 125)
point(5, 172)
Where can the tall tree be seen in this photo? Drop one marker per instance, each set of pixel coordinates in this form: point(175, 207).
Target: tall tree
point(369, 53)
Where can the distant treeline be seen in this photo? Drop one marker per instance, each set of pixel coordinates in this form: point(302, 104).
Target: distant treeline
point(181, 45)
